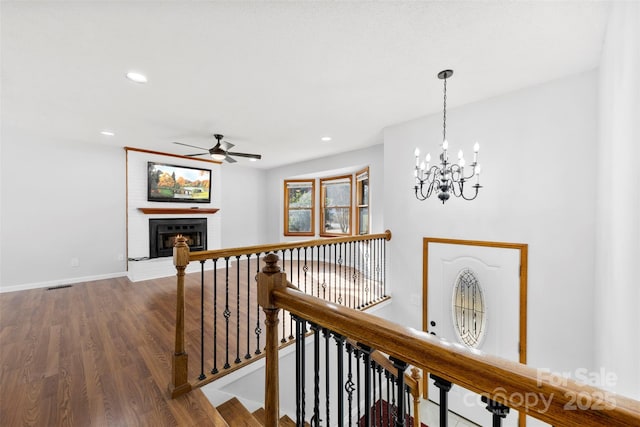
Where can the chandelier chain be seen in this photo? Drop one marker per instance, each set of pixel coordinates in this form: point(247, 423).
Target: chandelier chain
point(444, 113)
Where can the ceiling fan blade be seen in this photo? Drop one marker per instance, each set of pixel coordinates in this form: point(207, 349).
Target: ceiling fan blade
point(188, 145)
point(250, 156)
point(226, 146)
point(194, 155)
point(229, 159)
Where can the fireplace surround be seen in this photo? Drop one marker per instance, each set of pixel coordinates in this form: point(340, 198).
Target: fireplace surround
point(162, 234)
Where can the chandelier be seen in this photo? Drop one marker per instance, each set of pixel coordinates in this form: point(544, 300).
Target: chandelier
point(446, 178)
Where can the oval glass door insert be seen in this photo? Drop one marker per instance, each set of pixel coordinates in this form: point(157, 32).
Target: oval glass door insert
point(469, 309)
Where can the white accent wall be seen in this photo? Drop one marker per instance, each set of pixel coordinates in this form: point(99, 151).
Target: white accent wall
point(537, 151)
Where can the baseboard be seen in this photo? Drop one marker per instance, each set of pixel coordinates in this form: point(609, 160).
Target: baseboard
point(59, 282)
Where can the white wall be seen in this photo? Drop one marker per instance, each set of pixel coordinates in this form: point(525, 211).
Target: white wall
point(538, 156)
point(618, 239)
point(243, 206)
point(351, 161)
point(61, 199)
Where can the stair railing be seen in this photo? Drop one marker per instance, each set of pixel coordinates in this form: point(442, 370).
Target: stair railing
point(217, 316)
point(502, 384)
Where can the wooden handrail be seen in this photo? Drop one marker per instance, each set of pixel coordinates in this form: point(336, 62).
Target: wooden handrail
point(518, 386)
point(272, 247)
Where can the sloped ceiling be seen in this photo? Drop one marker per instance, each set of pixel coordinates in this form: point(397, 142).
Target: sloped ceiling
point(274, 77)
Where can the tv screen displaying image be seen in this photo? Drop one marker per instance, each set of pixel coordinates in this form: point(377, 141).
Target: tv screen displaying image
point(172, 183)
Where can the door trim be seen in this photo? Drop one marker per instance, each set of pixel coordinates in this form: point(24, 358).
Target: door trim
point(524, 251)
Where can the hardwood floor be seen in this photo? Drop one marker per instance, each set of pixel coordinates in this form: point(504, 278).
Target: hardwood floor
point(99, 353)
point(94, 354)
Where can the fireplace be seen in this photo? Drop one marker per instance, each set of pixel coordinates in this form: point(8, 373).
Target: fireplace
point(163, 232)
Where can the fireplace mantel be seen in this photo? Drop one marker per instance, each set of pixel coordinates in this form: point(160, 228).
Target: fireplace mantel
point(195, 211)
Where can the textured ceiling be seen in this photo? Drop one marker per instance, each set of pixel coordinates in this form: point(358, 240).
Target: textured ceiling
point(274, 77)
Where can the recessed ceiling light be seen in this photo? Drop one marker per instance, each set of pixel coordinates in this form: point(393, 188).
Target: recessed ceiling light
point(134, 76)
point(107, 133)
point(326, 138)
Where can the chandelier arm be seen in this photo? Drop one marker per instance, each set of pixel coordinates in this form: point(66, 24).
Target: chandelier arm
point(477, 187)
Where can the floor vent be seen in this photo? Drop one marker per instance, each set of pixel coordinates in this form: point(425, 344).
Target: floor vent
point(58, 287)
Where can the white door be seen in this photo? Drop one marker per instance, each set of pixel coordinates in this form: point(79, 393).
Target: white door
point(497, 271)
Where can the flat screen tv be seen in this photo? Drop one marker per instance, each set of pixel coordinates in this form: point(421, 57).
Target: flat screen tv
point(172, 183)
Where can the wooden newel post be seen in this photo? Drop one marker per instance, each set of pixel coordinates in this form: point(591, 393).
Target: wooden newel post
point(269, 279)
point(179, 363)
point(415, 374)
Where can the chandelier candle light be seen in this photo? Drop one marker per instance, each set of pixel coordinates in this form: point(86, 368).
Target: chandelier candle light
point(446, 177)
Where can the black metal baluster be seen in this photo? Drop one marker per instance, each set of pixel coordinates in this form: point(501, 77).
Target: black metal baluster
point(202, 375)
point(374, 288)
point(444, 386)
point(392, 405)
point(388, 377)
point(342, 296)
point(349, 274)
point(335, 272)
point(238, 360)
point(349, 386)
point(366, 360)
point(374, 408)
point(317, 271)
point(327, 384)
point(340, 356)
point(214, 370)
point(248, 355)
point(324, 272)
point(299, 373)
point(257, 330)
point(498, 410)
point(359, 384)
point(305, 268)
point(226, 313)
point(384, 277)
point(408, 400)
point(367, 271)
point(380, 411)
point(316, 375)
point(284, 313)
point(297, 284)
point(301, 328)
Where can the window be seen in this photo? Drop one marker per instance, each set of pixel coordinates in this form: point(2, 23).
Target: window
point(362, 201)
point(335, 200)
point(299, 214)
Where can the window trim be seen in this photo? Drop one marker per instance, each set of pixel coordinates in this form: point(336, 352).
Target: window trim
point(323, 232)
point(312, 183)
point(360, 205)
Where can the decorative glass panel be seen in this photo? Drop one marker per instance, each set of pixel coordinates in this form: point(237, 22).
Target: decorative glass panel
point(469, 310)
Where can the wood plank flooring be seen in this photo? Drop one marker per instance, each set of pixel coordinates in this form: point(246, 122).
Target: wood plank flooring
point(94, 354)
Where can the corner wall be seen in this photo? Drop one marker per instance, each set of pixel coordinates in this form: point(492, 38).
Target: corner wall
point(618, 240)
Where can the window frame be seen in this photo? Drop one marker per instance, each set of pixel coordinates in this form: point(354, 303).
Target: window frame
point(312, 183)
point(323, 231)
point(359, 205)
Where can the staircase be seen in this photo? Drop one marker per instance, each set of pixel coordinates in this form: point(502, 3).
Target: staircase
point(236, 415)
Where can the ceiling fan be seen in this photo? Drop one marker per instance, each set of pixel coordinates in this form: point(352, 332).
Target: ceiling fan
point(220, 151)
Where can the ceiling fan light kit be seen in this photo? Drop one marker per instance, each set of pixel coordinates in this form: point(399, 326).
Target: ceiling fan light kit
point(220, 151)
point(445, 178)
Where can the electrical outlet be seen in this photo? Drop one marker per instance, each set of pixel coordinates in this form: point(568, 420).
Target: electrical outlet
point(75, 262)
